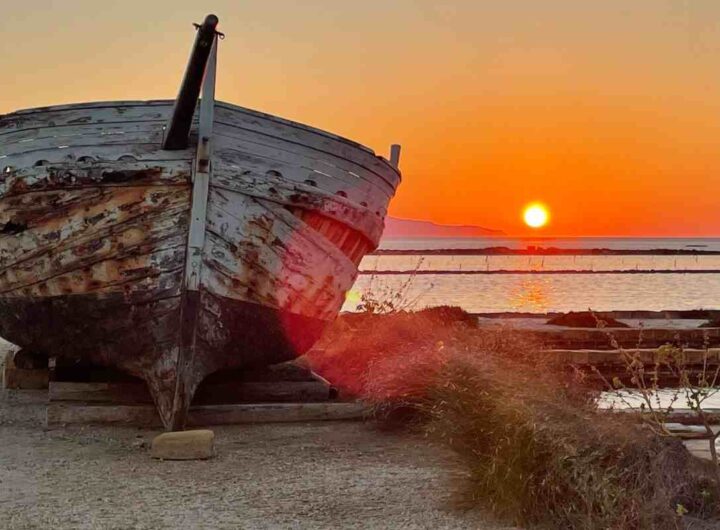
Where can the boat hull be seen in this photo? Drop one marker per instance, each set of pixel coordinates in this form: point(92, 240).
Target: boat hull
point(94, 228)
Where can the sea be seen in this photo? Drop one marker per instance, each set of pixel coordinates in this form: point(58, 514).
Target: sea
point(652, 274)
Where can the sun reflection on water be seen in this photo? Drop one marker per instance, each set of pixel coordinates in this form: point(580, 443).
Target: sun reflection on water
point(531, 294)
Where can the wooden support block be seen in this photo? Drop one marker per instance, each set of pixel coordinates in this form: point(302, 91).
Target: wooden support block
point(276, 413)
point(184, 445)
point(628, 338)
point(59, 413)
point(616, 357)
point(124, 393)
point(15, 378)
point(117, 393)
point(263, 392)
point(283, 372)
point(71, 413)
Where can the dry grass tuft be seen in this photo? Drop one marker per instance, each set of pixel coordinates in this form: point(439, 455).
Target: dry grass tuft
point(364, 354)
point(539, 457)
point(537, 451)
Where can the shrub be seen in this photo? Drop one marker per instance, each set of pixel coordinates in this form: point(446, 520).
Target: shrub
point(379, 350)
point(537, 456)
point(537, 450)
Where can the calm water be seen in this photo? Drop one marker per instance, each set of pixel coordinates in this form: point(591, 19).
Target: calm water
point(616, 243)
point(472, 288)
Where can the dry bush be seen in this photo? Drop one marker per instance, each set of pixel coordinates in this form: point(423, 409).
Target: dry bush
point(358, 352)
point(536, 456)
point(537, 450)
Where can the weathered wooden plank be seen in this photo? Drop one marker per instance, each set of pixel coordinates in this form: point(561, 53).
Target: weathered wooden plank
point(91, 134)
point(117, 393)
point(247, 141)
point(321, 142)
point(395, 155)
point(124, 222)
point(367, 191)
point(202, 171)
point(646, 356)
point(117, 113)
point(108, 112)
point(130, 152)
point(268, 256)
point(23, 136)
point(249, 113)
point(116, 272)
point(287, 371)
point(277, 190)
point(276, 413)
point(101, 104)
point(215, 393)
point(81, 209)
point(59, 413)
point(74, 175)
point(138, 116)
point(257, 392)
point(243, 219)
point(630, 338)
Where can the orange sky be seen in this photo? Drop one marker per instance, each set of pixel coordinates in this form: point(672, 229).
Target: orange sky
point(608, 112)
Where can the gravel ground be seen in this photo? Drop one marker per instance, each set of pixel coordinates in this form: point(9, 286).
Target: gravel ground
point(319, 475)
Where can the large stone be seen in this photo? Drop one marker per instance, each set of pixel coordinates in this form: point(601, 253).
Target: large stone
point(184, 445)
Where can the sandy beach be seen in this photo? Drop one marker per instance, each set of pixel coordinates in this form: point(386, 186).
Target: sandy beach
point(319, 475)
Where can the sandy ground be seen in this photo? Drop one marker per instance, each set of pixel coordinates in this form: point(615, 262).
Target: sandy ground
point(320, 475)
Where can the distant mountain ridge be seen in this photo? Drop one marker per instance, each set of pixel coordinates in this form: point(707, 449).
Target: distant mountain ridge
point(399, 228)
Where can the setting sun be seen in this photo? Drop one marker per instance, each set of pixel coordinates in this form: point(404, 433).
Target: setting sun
point(536, 215)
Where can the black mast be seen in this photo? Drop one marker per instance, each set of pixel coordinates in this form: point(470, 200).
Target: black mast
point(178, 130)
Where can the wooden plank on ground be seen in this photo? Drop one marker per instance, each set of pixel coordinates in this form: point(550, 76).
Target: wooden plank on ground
point(262, 392)
point(275, 413)
point(648, 355)
point(59, 413)
point(629, 338)
point(118, 393)
point(210, 394)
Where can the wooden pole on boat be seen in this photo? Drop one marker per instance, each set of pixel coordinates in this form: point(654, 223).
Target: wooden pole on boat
point(187, 375)
point(179, 128)
point(395, 156)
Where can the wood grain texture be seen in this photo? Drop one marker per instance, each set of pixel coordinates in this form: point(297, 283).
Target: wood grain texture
point(123, 393)
point(147, 416)
point(305, 137)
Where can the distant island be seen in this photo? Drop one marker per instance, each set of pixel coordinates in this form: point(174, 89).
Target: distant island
point(401, 228)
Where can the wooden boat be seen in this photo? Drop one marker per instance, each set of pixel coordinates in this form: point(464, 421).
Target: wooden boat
point(142, 236)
